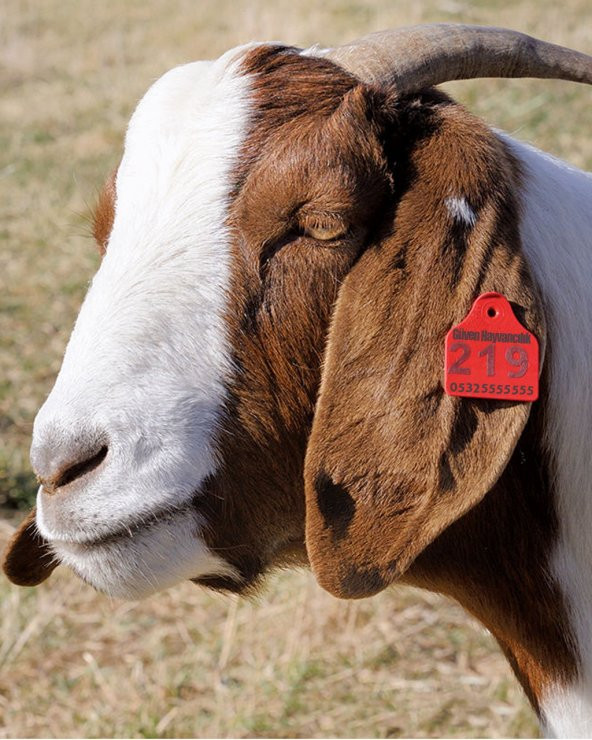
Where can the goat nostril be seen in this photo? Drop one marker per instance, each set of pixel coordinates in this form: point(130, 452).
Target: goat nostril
point(77, 470)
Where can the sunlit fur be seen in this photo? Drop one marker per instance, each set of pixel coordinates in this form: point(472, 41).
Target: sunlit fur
point(148, 357)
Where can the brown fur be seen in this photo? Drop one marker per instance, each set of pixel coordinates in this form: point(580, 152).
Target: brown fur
point(493, 561)
point(402, 482)
point(278, 323)
point(408, 262)
point(28, 560)
point(409, 459)
point(104, 213)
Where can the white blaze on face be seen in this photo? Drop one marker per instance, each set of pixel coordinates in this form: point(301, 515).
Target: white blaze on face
point(148, 358)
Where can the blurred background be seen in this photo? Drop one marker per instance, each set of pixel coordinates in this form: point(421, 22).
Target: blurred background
point(294, 662)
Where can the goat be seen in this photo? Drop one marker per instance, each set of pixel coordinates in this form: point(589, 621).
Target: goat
point(255, 377)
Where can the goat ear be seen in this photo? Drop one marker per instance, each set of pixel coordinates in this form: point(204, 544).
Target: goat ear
point(28, 560)
point(392, 460)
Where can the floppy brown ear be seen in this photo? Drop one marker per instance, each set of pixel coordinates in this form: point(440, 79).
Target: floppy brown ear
point(28, 560)
point(391, 459)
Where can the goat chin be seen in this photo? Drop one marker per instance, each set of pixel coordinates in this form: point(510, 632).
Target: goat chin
point(152, 558)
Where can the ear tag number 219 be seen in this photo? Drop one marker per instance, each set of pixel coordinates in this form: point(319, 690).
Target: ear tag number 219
point(491, 355)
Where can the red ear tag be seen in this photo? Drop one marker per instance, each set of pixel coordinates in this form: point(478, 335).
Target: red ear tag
point(491, 355)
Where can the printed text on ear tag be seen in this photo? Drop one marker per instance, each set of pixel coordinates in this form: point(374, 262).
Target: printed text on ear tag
point(491, 355)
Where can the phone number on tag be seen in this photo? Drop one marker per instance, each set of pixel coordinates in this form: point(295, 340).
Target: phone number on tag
point(506, 390)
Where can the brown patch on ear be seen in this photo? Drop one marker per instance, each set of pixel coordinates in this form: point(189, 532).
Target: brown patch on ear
point(104, 213)
point(495, 562)
point(28, 560)
point(391, 460)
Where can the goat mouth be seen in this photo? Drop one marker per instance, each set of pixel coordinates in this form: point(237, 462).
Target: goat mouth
point(127, 531)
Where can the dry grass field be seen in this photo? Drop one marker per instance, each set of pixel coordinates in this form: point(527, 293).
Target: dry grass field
point(295, 662)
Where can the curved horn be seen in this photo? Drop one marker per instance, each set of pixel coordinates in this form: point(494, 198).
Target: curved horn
point(420, 56)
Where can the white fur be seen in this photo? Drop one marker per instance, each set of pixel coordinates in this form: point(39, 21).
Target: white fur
point(148, 358)
point(566, 711)
point(460, 210)
point(316, 50)
point(557, 239)
point(150, 560)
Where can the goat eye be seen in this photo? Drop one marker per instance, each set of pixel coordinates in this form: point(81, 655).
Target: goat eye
point(326, 232)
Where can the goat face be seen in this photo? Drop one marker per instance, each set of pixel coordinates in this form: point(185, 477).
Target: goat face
point(259, 198)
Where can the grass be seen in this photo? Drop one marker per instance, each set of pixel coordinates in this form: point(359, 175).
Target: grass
point(296, 663)
point(187, 663)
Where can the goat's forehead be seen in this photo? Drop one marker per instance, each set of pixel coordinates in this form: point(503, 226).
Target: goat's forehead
point(200, 97)
point(180, 147)
point(183, 95)
point(192, 136)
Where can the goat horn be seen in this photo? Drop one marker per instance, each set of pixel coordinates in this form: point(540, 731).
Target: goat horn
point(415, 57)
